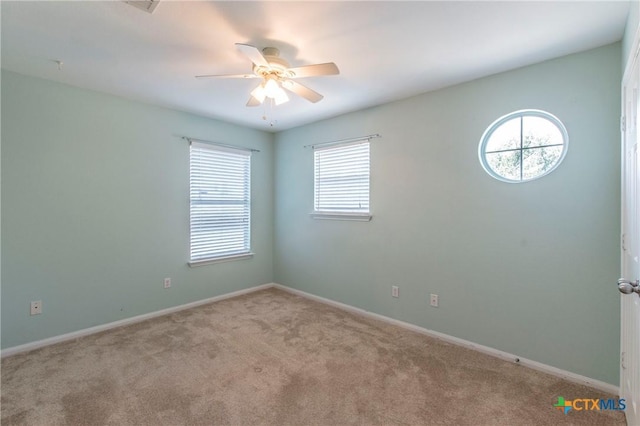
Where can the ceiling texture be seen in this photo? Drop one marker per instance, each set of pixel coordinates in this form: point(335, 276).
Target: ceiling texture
point(385, 50)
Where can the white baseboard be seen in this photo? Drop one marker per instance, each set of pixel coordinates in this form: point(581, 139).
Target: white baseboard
point(99, 328)
point(557, 372)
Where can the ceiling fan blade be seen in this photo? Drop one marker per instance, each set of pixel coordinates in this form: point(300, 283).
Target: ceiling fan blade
point(253, 54)
point(301, 90)
point(227, 76)
point(253, 102)
point(312, 70)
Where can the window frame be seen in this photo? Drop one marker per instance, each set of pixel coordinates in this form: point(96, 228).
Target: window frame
point(521, 114)
point(346, 214)
point(245, 170)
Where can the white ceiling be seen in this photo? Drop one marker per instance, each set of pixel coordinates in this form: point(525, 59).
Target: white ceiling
point(385, 50)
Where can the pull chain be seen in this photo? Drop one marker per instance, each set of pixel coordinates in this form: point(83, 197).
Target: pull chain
point(268, 111)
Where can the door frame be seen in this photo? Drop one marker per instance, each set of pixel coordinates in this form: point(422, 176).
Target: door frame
point(633, 59)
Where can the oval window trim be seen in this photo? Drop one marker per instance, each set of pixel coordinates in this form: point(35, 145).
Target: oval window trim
point(521, 114)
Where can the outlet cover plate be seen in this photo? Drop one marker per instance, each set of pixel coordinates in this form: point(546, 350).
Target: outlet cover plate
point(434, 300)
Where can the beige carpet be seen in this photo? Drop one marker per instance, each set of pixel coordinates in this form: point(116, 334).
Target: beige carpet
point(274, 358)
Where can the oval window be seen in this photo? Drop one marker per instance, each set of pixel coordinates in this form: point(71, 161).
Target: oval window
point(523, 145)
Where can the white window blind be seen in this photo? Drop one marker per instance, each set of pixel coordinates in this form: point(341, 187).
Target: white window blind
point(220, 202)
point(342, 178)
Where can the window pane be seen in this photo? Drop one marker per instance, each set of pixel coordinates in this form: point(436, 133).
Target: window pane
point(523, 145)
point(540, 131)
point(538, 161)
point(341, 178)
point(507, 136)
point(505, 164)
point(220, 201)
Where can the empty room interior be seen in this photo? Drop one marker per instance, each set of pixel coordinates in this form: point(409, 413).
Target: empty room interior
point(296, 213)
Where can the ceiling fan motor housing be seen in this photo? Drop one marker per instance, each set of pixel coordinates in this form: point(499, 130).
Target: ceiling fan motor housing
point(278, 67)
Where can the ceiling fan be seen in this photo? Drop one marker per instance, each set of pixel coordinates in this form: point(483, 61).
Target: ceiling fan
point(277, 76)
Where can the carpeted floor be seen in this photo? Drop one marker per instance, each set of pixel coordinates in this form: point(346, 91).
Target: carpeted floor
point(274, 358)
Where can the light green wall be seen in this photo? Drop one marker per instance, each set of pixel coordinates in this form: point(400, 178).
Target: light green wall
point(529, 269)
point(95, 209)
point(95, 214)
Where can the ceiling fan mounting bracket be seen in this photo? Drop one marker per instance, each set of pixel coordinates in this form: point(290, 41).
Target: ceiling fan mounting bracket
point(271, 51)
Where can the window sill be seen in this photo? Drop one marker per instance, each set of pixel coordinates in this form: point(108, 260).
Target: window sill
point(221, 259)
point(359, 217)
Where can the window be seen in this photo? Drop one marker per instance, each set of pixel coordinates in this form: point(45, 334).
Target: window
point(220, 209)
point(523, 146)
point(341, 181)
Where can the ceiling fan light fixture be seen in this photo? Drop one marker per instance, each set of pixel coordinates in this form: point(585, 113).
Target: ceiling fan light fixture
point(271, 88)
point(281, 96)
point(259, 93)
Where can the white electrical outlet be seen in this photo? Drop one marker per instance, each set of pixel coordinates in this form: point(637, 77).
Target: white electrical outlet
point(395, 291)
point(36, 307)
point(167, 282)
point(434, 300)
